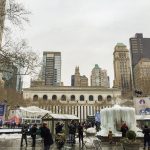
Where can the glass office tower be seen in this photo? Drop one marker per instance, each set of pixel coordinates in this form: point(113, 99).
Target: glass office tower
point(51, 70)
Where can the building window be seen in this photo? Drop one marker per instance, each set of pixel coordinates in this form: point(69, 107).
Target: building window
point(54, 98)
point(72, 98)
point(44, 97)
point(91, 98)
point(108, 98)
point(100, 98)
point(63, 98)
point(35, 97)
point(81, 98)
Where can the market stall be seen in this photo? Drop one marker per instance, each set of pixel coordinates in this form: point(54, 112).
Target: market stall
point(52, 119)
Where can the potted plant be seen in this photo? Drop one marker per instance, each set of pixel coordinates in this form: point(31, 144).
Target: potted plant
point(130, 142)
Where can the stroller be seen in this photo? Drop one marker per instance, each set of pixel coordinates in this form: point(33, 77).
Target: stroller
point(60, 140)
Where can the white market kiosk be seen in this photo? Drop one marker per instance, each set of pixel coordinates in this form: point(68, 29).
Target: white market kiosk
point(52, 119)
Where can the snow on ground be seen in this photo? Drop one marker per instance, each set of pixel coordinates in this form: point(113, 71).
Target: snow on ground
point(10, 136)
point(9, 130)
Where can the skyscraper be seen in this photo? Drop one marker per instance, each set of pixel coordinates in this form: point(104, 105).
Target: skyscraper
point(122, 69)
point(51, 70)
point(99, 77)
point(139, 48)
point(78, 80)
point(142, 76)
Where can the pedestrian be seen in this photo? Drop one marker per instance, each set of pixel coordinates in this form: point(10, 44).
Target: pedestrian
point(24, 132)
point(124, 129)
point(72, 132)
point(80, 133)
point(59, 127)
point(47, 136)
point(33, 134)
point(110, 137)
point(146, 132)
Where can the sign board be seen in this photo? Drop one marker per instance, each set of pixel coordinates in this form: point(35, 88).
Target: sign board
point(142, 105)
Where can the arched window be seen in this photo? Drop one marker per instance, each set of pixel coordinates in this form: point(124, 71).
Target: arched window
point(35, 97)
point(72, 98)
point(81, 98)
point(54, 98)
point(100, 98)
point(63, 97)
point(44, 97)
point(108, 98)
point(91, 98)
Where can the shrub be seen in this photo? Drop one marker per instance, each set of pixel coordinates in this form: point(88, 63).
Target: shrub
point(131, 135)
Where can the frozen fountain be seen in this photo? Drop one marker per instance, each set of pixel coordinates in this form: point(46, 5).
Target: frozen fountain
point(113, 118)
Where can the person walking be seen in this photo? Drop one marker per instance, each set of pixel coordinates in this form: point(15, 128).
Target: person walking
point(80, 133)
point(72, 132)
point(124, 129)
point(47, 137)
point(146, 132)
point(110, 137)
point(33, 134)
point(24, 132)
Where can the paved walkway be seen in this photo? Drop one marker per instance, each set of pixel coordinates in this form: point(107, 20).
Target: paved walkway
point(14, 144)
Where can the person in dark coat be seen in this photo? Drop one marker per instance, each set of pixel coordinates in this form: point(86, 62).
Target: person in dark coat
point(146, 132)
point(124, 129)
point(33, 134)
point(59, 127)
point(24, 132)
point(72, 132)
point(80, 133)
point(47, 136)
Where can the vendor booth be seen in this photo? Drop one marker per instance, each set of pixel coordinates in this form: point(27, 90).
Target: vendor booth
point(30, 114)
point(52, 119)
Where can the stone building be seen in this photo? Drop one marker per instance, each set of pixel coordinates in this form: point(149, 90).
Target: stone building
point(142, 76)
point(139, 48)
point(78, 80)
point(99, 77)
point(122, 69)
point(81, 101)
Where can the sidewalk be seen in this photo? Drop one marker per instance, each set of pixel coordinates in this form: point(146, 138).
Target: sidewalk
point(15, 145)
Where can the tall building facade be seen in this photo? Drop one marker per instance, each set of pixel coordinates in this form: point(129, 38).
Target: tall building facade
point(122, 69)
point(78, 80)
point(139, 48)
point(99, 77)
point(51, 70)
point(142, 76)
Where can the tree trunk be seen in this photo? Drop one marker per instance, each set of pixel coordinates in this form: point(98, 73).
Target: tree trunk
point(2, 18)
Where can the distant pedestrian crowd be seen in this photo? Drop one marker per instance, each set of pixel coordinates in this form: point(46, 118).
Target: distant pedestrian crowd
point(74, 129)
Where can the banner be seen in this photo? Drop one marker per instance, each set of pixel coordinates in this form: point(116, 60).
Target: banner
point(142, 105)
point(2, 109)
point(97, 117)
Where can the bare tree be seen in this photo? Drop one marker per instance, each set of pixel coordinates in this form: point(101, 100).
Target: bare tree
point(18, 54)
point(15, 53)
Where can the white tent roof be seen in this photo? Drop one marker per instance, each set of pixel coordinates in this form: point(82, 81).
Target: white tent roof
point(142, 117)
point(62, 116)
point(34, 109)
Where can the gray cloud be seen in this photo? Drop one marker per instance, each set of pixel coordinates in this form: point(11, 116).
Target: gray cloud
point(85, 31)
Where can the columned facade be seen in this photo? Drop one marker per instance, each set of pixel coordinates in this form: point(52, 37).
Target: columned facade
point(82, 102)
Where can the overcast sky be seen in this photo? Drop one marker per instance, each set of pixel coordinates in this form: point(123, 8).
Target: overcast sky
point(84, 31)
